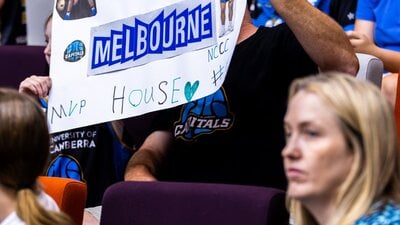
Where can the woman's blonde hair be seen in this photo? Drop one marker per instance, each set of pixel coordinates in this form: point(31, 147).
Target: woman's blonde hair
point(24, 151)
point(367, 122)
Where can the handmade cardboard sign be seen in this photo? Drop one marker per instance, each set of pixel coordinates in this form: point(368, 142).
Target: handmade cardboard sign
point(118, 59)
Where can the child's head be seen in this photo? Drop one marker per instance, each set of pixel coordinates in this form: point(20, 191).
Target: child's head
point(24, 140)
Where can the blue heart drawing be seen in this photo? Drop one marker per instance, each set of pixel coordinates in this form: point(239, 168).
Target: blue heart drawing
point(190, 90)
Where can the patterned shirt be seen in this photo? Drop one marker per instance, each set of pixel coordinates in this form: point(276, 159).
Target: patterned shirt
point(381, 215)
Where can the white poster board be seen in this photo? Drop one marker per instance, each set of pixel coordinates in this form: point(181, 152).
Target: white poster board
point(129, 57)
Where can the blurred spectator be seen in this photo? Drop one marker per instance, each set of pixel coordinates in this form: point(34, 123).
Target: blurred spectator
point(93, 154)
point(268, 16)
point(235, 135)
point(13, 22)
point(377, 32)
point(342, 11)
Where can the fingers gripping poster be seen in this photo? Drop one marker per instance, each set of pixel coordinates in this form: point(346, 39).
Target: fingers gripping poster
point(117, 59)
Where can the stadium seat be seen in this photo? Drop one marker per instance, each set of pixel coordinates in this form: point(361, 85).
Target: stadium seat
point(178, 203)
point(371, 68)
point(70, 195)
point(20, 61)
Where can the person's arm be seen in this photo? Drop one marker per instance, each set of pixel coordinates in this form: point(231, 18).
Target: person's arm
point(362, 44)
point(321, 37)
point(145, 161)
point(362, 39)
point(366, 27)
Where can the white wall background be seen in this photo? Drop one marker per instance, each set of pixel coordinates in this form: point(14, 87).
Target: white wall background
point(37, 12)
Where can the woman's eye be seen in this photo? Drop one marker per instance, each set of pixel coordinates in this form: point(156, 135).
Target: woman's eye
point(312, 133)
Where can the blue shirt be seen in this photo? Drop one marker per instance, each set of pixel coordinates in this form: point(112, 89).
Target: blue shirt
point(385, 15)
point(381, 215)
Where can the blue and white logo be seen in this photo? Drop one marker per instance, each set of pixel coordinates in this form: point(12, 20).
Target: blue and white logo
point(75, 51)
point(65, 166)
point(204, 116)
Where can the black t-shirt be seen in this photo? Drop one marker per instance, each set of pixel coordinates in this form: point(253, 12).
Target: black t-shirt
point(92, 154)
point(236, 134)
point(13, 24)
point(343, 12)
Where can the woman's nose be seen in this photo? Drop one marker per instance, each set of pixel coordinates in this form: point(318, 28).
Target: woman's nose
point(292, 147)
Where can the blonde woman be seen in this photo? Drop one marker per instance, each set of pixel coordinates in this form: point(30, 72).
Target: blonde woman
point(24, 151)
point(341, 156)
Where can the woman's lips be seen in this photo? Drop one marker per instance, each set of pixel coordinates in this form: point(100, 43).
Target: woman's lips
point(294, 173)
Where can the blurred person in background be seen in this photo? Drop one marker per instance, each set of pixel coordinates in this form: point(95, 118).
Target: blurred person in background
point(13, 22)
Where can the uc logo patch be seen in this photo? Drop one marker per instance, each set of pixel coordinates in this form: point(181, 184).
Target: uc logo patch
point(65, 166)
point(75, 51)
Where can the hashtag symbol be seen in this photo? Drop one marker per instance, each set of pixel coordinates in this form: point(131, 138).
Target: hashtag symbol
point(217, 75)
